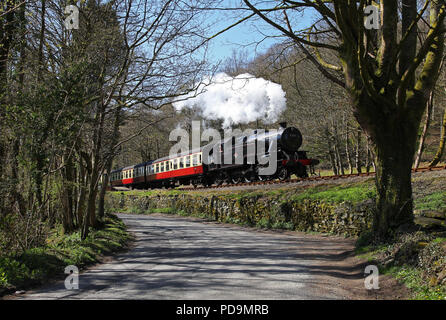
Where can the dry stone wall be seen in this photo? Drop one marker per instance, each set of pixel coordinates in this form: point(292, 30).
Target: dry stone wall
point(257, 210)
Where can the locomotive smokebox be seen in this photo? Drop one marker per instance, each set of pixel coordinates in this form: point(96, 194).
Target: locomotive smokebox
point(283, 125)
point(291, 139)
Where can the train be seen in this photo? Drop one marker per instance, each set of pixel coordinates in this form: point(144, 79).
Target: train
point(207, 165)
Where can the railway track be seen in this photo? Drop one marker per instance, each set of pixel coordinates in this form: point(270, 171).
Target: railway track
point(312, 178)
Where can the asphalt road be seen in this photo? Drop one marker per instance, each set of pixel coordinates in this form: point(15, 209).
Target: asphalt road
point(185, 258)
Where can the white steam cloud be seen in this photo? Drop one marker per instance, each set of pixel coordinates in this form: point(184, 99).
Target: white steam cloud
point(237, 100)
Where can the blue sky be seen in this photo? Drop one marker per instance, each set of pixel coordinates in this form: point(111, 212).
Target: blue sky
point(246, 36)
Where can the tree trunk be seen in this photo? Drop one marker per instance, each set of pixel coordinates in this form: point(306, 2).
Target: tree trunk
point(347, 148)
point(430, 104)
point(441, 146)
point(330, 152)
point(67, 194)
point(394, 141)
point(394, 189)
point(357, 151)
point(338, 158)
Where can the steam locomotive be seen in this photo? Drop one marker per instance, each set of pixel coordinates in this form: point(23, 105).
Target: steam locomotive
point(208, 165)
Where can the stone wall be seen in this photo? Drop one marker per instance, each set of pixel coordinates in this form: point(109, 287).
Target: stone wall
point(261, 210)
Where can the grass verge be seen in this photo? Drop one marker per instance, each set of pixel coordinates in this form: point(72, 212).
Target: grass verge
point(417, 259)
point(36, 266)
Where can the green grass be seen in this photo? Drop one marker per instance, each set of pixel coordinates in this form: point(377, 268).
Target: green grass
point(37, 265)
point(344, 193)
point(412, 278)
point(432, 202)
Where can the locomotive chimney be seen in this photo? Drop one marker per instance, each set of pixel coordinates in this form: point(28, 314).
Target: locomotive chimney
point(283, 124)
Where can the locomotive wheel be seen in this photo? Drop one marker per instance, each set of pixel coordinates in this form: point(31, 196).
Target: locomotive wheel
point(283, 174)
point(236, 179)
point(207, 182)
point(221, 178)
point(250, 176)
point(264, 178)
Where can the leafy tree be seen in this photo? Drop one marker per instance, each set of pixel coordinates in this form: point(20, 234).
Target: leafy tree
point(388, 74)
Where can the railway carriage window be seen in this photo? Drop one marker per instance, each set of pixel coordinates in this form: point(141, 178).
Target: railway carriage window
point(195, 160)
point(199, 158)
point(181, 163)
point(187, 162)
point(175, 164)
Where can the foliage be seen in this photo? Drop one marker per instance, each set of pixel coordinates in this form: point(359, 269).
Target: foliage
point(36, 265)
point(433, 202)
point(346, 193)
point(417, 259)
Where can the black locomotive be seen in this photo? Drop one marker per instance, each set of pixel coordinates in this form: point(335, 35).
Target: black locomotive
point(262, 156)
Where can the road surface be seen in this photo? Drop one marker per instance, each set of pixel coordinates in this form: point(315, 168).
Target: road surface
point(186, 258)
